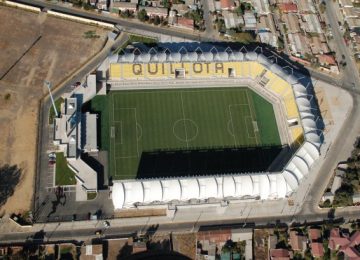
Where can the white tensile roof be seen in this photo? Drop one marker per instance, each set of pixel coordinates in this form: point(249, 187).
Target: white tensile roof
point(127, 194)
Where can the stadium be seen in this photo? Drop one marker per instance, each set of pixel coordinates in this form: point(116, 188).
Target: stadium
point(215, 126)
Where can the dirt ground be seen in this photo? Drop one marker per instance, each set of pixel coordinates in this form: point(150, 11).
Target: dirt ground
point(34, 47)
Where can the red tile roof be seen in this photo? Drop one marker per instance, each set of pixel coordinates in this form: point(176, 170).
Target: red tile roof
point(288, 8)
point(279, 254)
point(351, 253)
point(326, 59)
point(355, 239)
point(317, 249)
point(336, 242)
point(186, 22)
point(314, 234)
point(297, 241)
point(227, 4)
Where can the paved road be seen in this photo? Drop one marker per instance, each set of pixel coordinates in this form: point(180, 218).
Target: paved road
point(210, 32)
point(128, 25)
point(309, 211)
point(350, 72)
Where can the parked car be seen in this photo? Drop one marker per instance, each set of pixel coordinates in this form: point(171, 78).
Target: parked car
point(106, 224)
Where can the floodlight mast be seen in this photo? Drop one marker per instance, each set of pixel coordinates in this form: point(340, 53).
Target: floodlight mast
point(48, 84)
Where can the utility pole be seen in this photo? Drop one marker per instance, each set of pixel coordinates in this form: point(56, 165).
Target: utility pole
point(48, 85)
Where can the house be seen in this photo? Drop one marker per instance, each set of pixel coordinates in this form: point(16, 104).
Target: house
point(356, 198)
point(185, 23)
point(326, 60)
point(155, 11)
point(344, 244)
point(298, 242)
point(306, 6)
point(266, 23)
point(261, 7)
point(314, 235)
point(242, 234)
point(317, 46)
point(250, 21)
point(268, 38)
point(336, 240)
point(297, 44)
point(349, 13)
point(346, 3)
point(91, 252)
point(232, 20)
point(311, 23)
point(317, 249)
point(102, 5)
point(288, 8)
point(180, 9)
point(292, 22)
point(279, 254)
point(354, 24)
point(124, 6)
point(227, 4)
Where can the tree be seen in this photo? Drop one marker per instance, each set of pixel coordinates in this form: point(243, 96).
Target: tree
point(10, 177)
point(157, 20)
point(142, 15)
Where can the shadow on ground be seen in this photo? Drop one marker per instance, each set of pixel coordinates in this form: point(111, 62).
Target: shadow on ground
point(203, 162)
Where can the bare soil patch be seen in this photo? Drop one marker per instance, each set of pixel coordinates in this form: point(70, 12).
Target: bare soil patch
point(34, 47)
point(185, 243)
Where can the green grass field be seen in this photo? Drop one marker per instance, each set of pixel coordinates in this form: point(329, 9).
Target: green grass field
point(136, 121)
point(64, 175)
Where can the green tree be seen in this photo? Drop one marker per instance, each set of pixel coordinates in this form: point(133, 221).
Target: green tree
point(142, 15)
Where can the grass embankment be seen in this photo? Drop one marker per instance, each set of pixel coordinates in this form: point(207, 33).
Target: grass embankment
point(64, 175)
point(52, 115)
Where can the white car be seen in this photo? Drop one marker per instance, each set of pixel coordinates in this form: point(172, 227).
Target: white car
point(106, 224)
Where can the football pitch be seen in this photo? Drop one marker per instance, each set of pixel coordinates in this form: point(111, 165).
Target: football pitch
point(183, 119)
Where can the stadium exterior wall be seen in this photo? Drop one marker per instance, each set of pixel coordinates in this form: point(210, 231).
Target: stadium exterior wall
point(131, 193)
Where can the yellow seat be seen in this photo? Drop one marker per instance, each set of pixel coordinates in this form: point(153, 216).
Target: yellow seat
point(290, 105)
point(297, 134)
point(255, 69)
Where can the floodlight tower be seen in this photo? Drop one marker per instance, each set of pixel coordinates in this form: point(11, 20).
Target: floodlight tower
point(48, 85)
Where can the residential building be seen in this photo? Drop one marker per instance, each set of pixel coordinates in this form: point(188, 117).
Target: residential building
point(91, 252)
point(298, 242)
point(279, 254)
point(244, 235)
point(317, 249)
point(292, 22)
point(261, 7)
point(346, 3)
point(102, 4)
point(297, 44)
point(336, 240)
point(306, 6)
point(268, 38)
point(349, 13)
point(250, 21)
point(185, 23)
point(232, 20)
point(354, 24)
point(288, 8)
point(317, 46)
point(314, 235)
point(124, 6)
point(180, 9)
point(155, 11)
point(326, 60)
point(227, 4)
point(311, 23)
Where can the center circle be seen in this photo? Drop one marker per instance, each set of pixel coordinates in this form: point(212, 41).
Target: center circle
point(185, 130)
